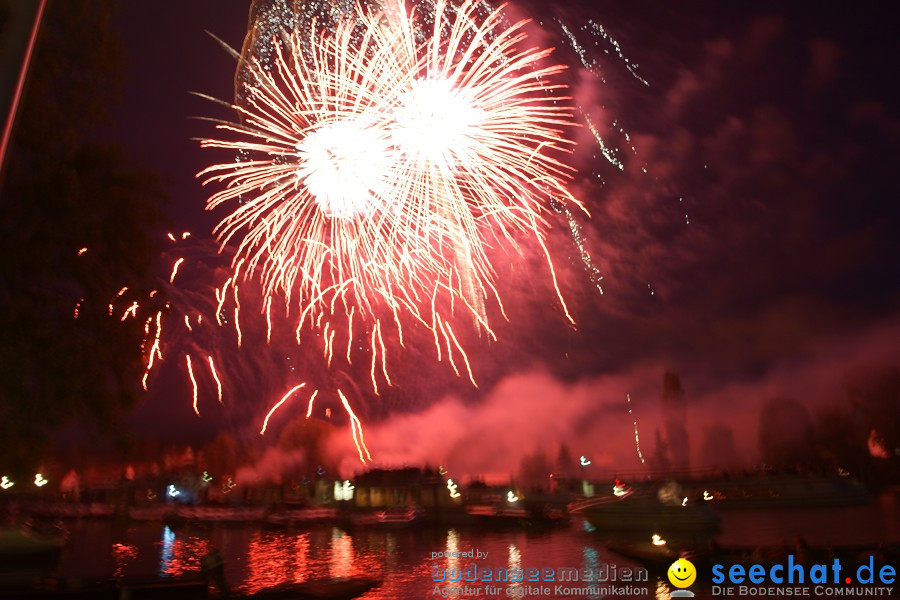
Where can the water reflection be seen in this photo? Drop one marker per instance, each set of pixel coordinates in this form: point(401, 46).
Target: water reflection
point(259, 558)
point(451, 552)
point(180, 556)
point(165, 557)
point(513, 563)
point(591, 563)
point(301, 556)
point(122, 555)
point(270, 560)
point(341, 554)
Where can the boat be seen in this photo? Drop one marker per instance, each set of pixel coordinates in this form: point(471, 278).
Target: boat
point(522, 513)
point(302, 516)
point(645, 513)
point(70, 510)
point(316, 589)
point(193, 588)
point(770, 491)
point(399, 517)
point(497, 513)
point(151, 512)
point(25, 546)
point(233, 514)
point(396, 517)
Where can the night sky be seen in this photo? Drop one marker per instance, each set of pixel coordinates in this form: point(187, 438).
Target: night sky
point(748, 243)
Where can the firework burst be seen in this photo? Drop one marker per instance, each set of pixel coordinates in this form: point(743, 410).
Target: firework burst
point(383, 167)
point(378, 165)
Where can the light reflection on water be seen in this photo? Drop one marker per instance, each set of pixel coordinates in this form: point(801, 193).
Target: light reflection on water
point(592, 563)
point(257, 558)
point(341, 554)
point(180, 554)
point(165, 558)
point(514, 563)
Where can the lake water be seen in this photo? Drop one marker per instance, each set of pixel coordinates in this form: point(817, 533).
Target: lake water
point(406, 560)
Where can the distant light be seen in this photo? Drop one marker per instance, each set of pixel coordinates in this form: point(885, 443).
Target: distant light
point(619, 490)
point(82, 251)
point(452, 487)
point(173, 492)
point(684, 502)
point(658, 541)
point(343, 491)
point(5, 483)
point(39, 480)
point(207, 477)
point(185, 235)
point(707, 496)
point(510, 497)
point(584, 461)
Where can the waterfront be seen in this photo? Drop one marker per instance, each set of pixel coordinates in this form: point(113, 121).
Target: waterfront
point(258, 557)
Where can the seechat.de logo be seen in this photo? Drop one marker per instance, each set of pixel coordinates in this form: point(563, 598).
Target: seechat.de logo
point(682, 574)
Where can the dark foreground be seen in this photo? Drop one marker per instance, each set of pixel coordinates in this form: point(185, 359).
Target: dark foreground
point(159, 560)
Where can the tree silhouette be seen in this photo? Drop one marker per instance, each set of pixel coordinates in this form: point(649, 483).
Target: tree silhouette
point(675, 415)
point(786, 434)
point(62, 192)
point(718, 446)
point(874, 394)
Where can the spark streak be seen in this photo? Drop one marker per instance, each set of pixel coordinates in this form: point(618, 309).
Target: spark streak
point(154, 350)
point(277, 406)
point(215, 375)
point(637, 439)
point(175, 270)
point(311, 400)
point(190, 369)
point(356, 428)
point(131, 310)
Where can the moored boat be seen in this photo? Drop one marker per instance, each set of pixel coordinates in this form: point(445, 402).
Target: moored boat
point(302, 516)
point(150, 512)
point(23, 546)
point(646, 514)
point(220, 513)
point(396, 517)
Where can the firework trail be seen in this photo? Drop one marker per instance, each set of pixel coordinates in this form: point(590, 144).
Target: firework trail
point(379, 162)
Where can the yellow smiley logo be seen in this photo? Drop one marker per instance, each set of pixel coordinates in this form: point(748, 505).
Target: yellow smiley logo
point(682, 573)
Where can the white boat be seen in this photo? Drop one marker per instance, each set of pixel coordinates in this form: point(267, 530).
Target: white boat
point(397, 517)
point(221, 513)
point(150, 512)
point(645, 513)
point(302, 516)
